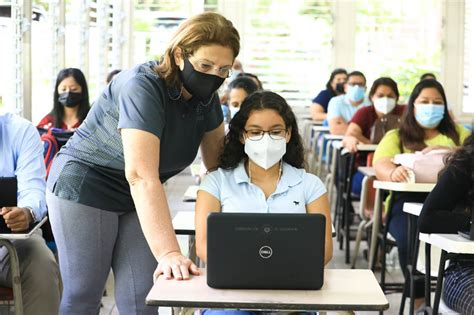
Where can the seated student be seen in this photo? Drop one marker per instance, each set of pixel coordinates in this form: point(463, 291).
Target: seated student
point(253, 77)
point(112, 75)
point(427, 76)
point(239, 89)
point(261, 169)
point(21, 155)
point(384, 97)
point(71, 101)
point(341, 108)
point(334, 87)
point(447, 209)
point(425, 125)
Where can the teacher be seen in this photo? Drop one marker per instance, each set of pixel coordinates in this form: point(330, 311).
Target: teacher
point(107, 205)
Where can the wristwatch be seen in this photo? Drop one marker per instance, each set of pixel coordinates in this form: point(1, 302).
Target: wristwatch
point(33, 216)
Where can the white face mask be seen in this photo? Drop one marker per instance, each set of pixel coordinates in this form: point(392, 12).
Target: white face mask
point(233, 110)
point(384, 105)
point(265, 152)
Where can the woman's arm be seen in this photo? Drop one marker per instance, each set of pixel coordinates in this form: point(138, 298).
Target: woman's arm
point(321, 206)
point(386, 170)
point(212, 145)
point(205, 204)
point(142, 152)
point(337, 126)
point(317, 112)
point(353, 137)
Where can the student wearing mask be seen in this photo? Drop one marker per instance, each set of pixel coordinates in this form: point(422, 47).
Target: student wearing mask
point(239, 89)
point(261, 169)
point(334, 87)
point(21, 156)
point(107, 205)
point(384, 97)
point(341, 108)
point(253, 77)
point(71, 101)
point(448, 209)
point(426, 125)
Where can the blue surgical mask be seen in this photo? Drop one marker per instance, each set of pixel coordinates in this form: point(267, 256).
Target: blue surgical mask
point(356, 93)
point(429, 115)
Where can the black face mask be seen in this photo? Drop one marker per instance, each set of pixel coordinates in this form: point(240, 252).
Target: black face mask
point(70, 99)
point(340, 88)
point(200, 85)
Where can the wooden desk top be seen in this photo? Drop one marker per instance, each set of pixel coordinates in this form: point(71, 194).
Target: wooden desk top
point(452, 243)
point(344, 289)
point(413, 208)
point(367, 171)
point(403, 187)
point(183, 224)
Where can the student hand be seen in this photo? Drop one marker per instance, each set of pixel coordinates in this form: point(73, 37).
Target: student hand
point(435, 147)
point(399, 174)
point(350, 143)
point(17, 219)
point(175, 265)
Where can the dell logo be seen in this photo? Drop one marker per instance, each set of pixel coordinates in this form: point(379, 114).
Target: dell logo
point(265, 252)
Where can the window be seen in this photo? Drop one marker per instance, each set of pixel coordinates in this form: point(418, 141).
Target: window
point(468, 91)
point(287, 44)
point(400, 39)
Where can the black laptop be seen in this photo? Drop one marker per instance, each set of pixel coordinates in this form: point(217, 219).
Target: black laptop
point(8, 197)
point(265, 251)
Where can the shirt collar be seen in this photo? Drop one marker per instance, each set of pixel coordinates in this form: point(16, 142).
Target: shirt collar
point(290, 176)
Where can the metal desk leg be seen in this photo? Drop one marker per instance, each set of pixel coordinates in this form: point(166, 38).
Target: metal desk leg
point(439, 281)
point(375, 227)
point(427, 274)
point(15, 271)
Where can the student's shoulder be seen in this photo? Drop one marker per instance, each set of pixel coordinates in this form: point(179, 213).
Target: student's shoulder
point(462, 131)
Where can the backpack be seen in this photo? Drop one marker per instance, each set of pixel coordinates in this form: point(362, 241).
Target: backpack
point(382, 125)
point(51, 147)
point(53, 139)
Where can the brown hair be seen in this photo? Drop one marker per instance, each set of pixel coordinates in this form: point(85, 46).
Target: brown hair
point(200, 30)
point(412, 135)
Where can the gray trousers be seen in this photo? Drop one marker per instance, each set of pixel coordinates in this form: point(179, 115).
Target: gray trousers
point(90, 241)
point(39, 275)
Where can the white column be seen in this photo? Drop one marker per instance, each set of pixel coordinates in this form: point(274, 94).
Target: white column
point(58, 22)
point(84, 21)
point(127, 29)
point(103, 44)
point(21, 19)
point(235, 11)
point(344, 31)
point(452, 62)
point(118, 40)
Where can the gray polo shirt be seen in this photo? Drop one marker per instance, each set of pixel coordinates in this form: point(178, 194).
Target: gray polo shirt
point(89, 169)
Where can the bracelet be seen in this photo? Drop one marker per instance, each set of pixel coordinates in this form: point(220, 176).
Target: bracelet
point(391, 173)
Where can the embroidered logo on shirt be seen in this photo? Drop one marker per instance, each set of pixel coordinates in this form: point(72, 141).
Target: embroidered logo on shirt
point(296, 203)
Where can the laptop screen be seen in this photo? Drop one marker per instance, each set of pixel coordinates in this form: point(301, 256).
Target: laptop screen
point(8, 197)
point(8, 191)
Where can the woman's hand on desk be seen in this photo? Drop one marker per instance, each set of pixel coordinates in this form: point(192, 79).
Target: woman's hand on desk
point(175, 265)
point(350, 143)
point(399, 174)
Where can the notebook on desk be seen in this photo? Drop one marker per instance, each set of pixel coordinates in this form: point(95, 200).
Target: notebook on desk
point(8, 198)
point(265, 251)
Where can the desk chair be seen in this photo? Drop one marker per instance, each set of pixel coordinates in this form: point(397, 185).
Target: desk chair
point(13, 293)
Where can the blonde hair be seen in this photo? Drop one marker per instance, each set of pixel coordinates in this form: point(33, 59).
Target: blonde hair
point(201, 30)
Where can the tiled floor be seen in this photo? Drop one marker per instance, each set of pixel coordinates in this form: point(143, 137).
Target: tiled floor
point(175, 189)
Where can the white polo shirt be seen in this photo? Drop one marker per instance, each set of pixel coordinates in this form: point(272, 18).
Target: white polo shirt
point(232, 188)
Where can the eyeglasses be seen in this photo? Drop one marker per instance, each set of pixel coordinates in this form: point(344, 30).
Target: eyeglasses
point(257, 134)
point(206, 67)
